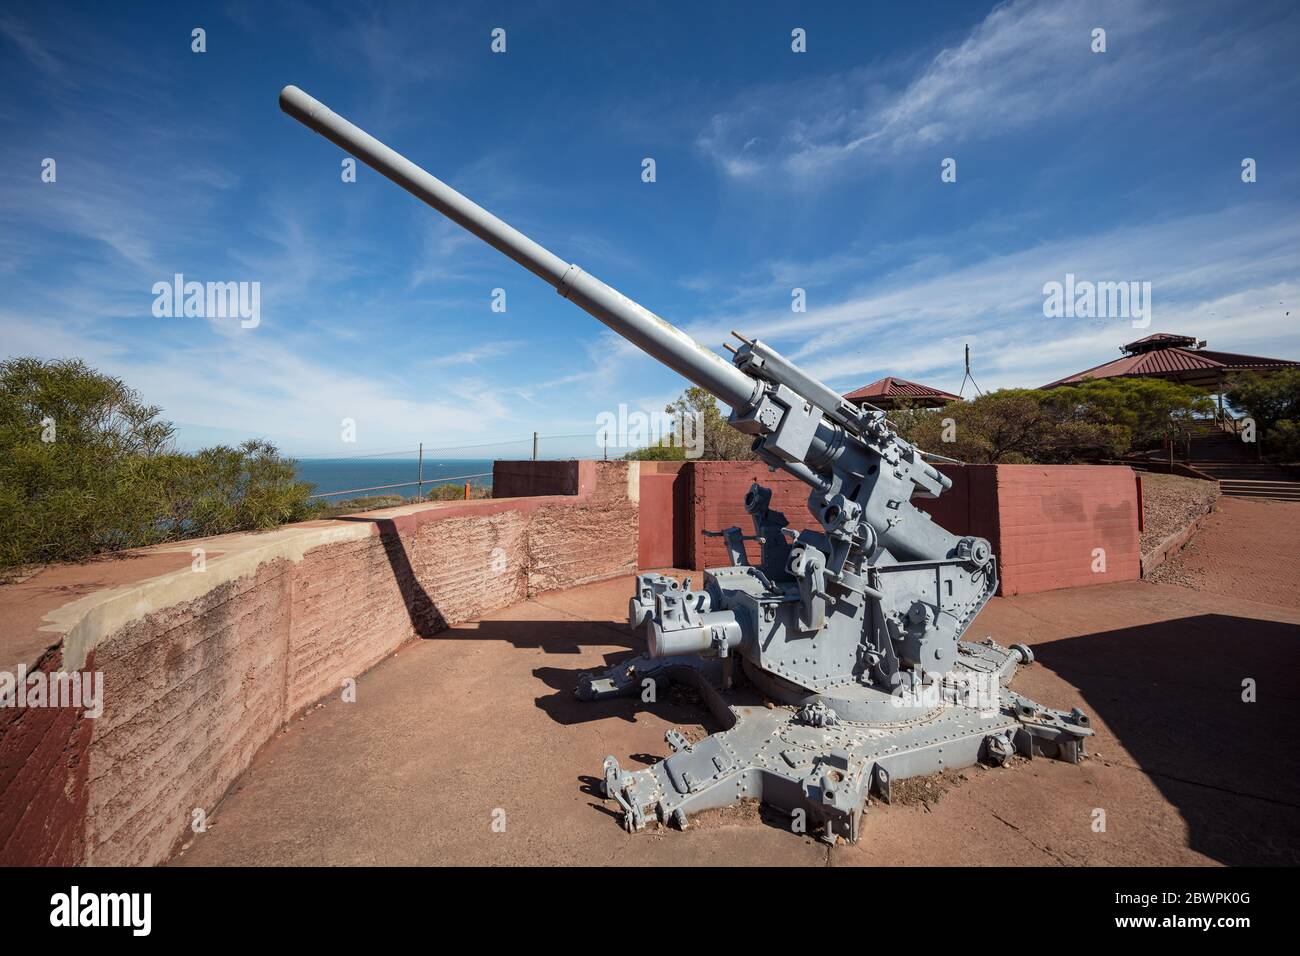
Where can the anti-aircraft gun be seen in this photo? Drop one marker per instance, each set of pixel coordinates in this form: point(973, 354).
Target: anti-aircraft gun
point(850, 636)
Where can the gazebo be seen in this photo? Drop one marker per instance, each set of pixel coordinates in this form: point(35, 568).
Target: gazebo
point(891, 391)
point(1180, 358)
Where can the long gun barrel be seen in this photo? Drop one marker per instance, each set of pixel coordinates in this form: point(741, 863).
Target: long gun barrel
point(798, 424)
point(638, 325)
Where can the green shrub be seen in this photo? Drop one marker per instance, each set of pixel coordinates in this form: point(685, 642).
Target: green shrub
point(717, 441)
point(1086, 422)
point(1284, 440)
point(657, 453)
point(452, 491)
point(1273, 401)
point(86, 467)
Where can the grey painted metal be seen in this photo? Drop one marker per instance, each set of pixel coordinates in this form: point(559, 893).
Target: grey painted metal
point(852, 635)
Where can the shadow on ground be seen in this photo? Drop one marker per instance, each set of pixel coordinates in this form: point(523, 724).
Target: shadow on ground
point(554, 637)
point(1171, 692)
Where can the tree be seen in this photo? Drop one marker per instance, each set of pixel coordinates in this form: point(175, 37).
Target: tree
point(1086, 422)
point(1273, 401)
point(697, 425)
point(87, 467)
point(1005, 427)
point(1149, 410)
point(721, 442)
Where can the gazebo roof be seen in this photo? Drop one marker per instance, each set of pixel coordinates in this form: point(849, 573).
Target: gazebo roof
point(1178, 357)
point(889, 391)
point(1159, 340)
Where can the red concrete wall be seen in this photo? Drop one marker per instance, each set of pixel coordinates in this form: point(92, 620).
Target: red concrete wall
point(200, 670)
point(658, 520)
point(1044, 522)
point(665, 520)
point(970, 506)
point(44, 790)
point(190, 694)
point(718, 491)
point(1053, 519)
point(526, 479)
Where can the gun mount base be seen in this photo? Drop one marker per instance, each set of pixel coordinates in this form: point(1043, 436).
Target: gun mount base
point(805, 759)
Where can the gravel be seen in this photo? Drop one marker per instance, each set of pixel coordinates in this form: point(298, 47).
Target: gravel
point(1170, 503)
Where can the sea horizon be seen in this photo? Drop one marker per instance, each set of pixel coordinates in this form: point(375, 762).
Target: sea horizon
point(336, 478)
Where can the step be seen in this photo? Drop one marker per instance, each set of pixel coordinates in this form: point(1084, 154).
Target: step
point(1244, 471)
point(1247, 483)
point(1261, 497)
point(1282, 490)
point(1226, 454)
point(1260, 474)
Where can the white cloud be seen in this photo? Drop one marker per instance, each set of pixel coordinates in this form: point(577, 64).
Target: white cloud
point(31, 47)
point(475, 355)
point(1026, 61)
point(1228, 276)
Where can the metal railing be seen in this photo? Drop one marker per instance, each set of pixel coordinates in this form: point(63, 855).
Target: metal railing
point(421, 479)
point(419, 483)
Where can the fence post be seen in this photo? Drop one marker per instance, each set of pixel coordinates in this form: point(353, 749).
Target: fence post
point(534, 446)
point(419, 488)
point(467, 491)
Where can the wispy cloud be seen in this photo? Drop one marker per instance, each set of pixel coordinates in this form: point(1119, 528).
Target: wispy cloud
point(1026, 62)
point(476, 355)
point(1229, 275)
point(31, 47)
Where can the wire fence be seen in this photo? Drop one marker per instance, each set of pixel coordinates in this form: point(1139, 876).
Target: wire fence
point(419, 483)
point(425, 466)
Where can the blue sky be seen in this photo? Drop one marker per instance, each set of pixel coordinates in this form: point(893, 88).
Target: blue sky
point(775, 170)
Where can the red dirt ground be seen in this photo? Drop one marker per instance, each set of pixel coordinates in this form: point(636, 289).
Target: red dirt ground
point(481, 718)
point(1247, 549)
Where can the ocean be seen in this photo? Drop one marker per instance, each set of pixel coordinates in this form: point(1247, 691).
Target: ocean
point(339, 479)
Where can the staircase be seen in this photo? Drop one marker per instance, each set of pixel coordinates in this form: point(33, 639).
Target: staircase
point(1235, 464)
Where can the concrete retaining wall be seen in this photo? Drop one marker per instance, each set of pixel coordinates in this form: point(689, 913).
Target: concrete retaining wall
point(524, 479)
point(1064, 526)
point(717, 490)
point(1051, 526)
point(203, 663)
point(665, 525)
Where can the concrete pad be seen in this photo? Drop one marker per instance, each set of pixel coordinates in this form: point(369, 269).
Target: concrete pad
point(449, 732)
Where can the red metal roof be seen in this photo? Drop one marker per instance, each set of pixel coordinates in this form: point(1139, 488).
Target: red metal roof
point(1159, 340)
point(892, 386)
point(1194, 366)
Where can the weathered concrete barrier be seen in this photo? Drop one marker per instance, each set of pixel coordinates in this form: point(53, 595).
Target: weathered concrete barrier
point(1052, 526)
point(207, 648)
